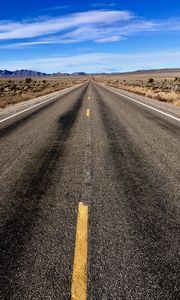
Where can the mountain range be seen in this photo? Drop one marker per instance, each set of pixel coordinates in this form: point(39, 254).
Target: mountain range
point(30, 73)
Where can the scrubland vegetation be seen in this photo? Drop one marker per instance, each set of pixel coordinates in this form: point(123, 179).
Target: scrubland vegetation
point(17, 90)
point(162, 89)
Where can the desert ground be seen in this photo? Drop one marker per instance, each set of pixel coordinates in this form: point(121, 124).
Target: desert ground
point(14, 90)
point(163, 86)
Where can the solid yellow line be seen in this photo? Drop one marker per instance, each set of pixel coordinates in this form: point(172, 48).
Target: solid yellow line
point(88, 112)
point(79, 278)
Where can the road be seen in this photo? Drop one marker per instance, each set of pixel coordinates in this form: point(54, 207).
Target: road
point(119, 157)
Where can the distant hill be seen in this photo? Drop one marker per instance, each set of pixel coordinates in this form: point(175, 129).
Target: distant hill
point(29, 73)
point(60, 74)
point(21, 73)
point(170, 70)
point(78, 73)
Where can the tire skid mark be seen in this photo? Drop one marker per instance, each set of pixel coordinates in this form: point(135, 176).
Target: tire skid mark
point(6, 129)
point(152, 218)
point(164, 124)
point(32, 186)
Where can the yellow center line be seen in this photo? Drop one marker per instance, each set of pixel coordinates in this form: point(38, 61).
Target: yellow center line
point(79, 278)
point(87, 112)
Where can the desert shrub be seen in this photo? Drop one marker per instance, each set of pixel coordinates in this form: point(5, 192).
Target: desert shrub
point(150, 80)
point(28, 80)
point(177, 79)
point(13, 87)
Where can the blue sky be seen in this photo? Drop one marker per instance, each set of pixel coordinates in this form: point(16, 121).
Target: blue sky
point(91, 36)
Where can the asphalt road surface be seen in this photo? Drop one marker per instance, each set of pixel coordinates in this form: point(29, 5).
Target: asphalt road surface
point(122, 159)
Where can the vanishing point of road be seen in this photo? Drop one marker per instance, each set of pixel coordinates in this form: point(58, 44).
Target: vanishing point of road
point(90, 198)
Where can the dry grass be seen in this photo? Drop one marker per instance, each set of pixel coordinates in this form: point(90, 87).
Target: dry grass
point(17, 90)
point(138, 76)
point(158, 87)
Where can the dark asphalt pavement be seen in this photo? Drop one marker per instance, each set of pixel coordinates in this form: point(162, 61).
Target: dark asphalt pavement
point(124, 162)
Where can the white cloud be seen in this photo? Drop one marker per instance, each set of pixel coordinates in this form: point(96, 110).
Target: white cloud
point(58, 7)
point(19, 30)
point(168, 25)
point(98, 62)
point(109, 33)
point(103, 4)
point(113, 38)
point(27, 44)
point(89, 32)
point(99, 26)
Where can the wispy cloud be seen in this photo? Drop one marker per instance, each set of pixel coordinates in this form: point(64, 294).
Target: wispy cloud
point(19, 30)
point(99, 62)
point(109, 33)
point(99, 26)
point(114, 38)
point(85, 27)
point(58, 7)
point(53, 8)
point(89, 32)
point(27, 44)
point(103, 4)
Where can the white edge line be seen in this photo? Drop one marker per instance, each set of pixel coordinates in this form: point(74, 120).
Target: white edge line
point(38, 104)
point(139, 102)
